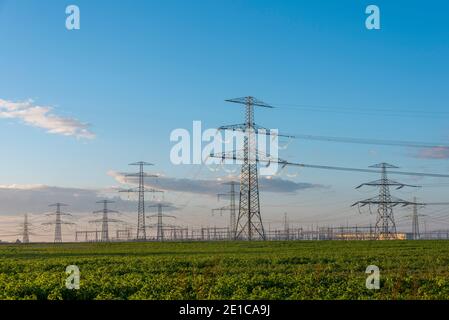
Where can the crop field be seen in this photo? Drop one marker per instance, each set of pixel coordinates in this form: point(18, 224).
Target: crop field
point(227, 270)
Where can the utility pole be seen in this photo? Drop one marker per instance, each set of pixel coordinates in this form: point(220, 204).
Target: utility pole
point(105, 220)
point(140, 190)
point(26, 232)
point(58, 221)
point(385, 226)
point(231, 207)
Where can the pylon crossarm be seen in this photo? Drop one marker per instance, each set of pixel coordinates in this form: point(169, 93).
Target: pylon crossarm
point(137, 190)
point(145, 175)
point(250, 101)
point(257, 129)
point(390, 203)
point(106, 211)
point(141, 163)
point(387, 182)
point(106, 220)
point(160, 215)
point(58, 213)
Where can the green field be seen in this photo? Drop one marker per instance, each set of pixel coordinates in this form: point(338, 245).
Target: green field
point(227, 270)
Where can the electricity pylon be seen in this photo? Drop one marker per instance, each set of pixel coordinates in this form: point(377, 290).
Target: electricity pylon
point(415, 221)
point(58, 221)
point(286, 227)
point(26, 232)
point(249, 221)
point(140, 190)
point(105, 220)
point(415, 216)
point(160, 215)
point(385, 225)
point(231, 207)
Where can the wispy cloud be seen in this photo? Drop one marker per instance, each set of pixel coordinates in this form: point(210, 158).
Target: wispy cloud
point(43, 117)
point(213, 186)
point(433, 153)
point(18, 199)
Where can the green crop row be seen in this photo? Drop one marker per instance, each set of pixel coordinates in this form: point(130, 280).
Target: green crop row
point(227, 270)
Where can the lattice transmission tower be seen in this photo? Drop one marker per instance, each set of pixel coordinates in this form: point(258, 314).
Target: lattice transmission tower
point(415, 215)
point(249, 224)
point(58, 220)
point(232, 207)
point(286, 227)
point(160, 225)
point(26, 231)
point(105, 220)
point(415, 221)
point(141, 190)
point(385, 225)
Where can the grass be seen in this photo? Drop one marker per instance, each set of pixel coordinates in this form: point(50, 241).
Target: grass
point(227, 270)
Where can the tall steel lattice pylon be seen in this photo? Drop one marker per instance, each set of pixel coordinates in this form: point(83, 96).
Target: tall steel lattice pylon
point(249, 221)
point(105, 220)
point(232, 208)
point(286, 227)
point(58, 220)
point(160, 216)
point(140, 190)
point(415, 215)
point(415, 221)
point(385, 228)
point(249, 224)
point(26, 232)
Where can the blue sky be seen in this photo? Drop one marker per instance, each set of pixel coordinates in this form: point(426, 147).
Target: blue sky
point(136, 71)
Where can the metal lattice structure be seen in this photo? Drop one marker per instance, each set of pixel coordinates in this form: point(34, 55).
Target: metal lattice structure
point(286, 227)
point(415, 216)
point(249, 224)
point(415, 221)
point(160, 216)
point(232, 208)
point(105, 220)
point(385, 227)
point(58, 220)
point(26, 232)
point(141, 190)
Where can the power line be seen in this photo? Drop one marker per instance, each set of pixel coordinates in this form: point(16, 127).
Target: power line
point(413, 144)
point(362, 111)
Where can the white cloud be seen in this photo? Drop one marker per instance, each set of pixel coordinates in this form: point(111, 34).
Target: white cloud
point(21, 186)
point(42, 117)
point(19, 199)
point(212, 187)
